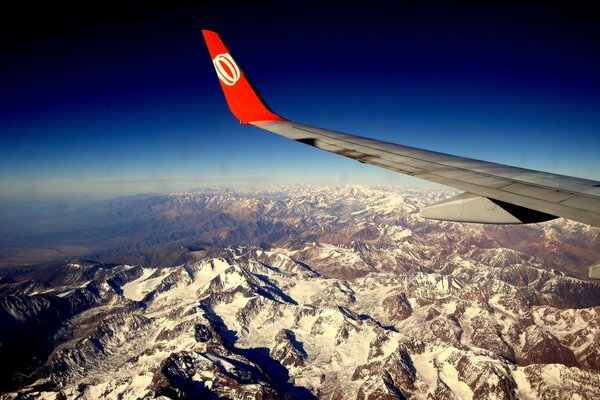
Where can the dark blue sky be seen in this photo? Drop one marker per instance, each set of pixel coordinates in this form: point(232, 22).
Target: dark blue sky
point(115, 100)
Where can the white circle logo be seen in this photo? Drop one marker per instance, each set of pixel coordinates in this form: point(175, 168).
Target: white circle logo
point(227, 70)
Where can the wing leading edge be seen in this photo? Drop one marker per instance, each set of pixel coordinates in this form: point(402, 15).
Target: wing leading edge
point(495, 193)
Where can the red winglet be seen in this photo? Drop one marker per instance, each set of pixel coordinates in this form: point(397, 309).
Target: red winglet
point(243, 101)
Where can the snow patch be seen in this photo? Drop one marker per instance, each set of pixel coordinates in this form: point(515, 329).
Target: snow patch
point(138, 288)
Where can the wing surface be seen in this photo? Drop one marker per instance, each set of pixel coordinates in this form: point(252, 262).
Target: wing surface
point(495, 193)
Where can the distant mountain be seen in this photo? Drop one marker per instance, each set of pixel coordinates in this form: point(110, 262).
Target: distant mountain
point(329, 293)
point(157, 230)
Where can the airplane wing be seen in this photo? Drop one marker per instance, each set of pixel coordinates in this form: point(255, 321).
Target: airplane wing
point(494, 193)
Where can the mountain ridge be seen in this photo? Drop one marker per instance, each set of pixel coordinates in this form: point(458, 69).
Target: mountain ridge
point(366, 301)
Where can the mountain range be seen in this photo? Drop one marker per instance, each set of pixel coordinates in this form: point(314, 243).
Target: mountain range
point(301, 292)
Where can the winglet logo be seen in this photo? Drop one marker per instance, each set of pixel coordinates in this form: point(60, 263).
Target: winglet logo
point(227, 70)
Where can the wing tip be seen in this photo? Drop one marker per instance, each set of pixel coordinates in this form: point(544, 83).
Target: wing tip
point(243, 99)
point(208, 32)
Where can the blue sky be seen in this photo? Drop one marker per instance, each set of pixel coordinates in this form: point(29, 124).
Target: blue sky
point(107, 100)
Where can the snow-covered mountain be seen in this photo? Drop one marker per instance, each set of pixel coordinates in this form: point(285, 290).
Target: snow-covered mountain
point(357, 297)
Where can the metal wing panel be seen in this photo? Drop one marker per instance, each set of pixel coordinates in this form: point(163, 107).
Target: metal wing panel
point(573, 198)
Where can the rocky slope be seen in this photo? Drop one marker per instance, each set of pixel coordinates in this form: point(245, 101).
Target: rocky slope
point(369, 301)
